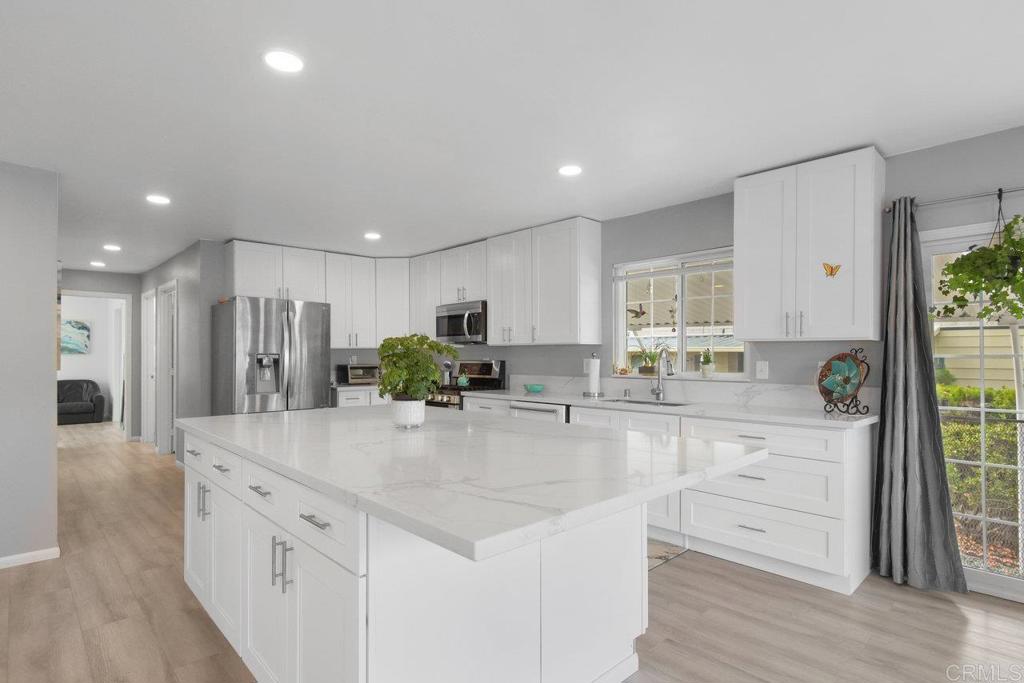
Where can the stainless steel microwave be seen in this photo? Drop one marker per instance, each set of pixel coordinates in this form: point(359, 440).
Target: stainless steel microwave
point(462, 323)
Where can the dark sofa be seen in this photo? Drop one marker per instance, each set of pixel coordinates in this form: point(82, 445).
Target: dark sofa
point(79, 401)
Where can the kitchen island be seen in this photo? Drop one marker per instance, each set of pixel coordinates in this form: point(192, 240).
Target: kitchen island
point(329, 546)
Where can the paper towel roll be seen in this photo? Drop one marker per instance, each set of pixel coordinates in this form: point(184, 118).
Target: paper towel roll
point(592, 369)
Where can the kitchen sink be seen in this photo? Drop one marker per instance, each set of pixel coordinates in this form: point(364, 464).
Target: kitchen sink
point(640, 402)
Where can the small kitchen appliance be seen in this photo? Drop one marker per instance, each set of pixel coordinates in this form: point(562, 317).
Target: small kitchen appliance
point(479, 375)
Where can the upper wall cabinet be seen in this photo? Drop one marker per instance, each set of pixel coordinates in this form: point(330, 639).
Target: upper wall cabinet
point(544, 285)
point(352, 294)
point(392, 297)
point(464, 273)
point(424, 293)
point(275, 272)
point(807, 250)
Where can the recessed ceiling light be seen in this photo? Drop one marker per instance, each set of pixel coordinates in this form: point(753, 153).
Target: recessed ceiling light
point(371, 235)
point(160, 199)
point(285, 62)
point(97, 264)
point(570, 170)
point(112, 247)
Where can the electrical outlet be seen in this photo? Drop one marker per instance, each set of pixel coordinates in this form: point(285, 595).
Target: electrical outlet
point(762, 369)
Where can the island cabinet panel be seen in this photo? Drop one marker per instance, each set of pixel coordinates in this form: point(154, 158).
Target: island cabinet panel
point(592, 615)
point(265, 628)
point(224, 599)
point(197, 535)
point(431, 610)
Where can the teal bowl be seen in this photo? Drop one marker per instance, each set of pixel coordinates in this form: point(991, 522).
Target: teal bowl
point(533, 388)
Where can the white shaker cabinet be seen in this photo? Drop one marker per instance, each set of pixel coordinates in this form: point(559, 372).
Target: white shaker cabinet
point(464, 273)
point(807, 250)
point(424, 293)
point(567, 282)
point(197, 535)
point(510, 289)
point(351, 292)
point(392, 297)
point(275, 272)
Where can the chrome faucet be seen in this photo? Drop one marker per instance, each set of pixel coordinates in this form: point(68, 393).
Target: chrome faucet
point(663, 364)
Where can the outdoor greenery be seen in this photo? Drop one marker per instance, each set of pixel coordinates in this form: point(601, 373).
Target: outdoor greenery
point(993, 271)
point(407, 367)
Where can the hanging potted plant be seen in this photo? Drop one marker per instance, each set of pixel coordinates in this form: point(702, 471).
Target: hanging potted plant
point(707, 364)
point(992, 271)
point(409, 374)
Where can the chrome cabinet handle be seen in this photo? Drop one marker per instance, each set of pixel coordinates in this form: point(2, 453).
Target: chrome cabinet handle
point(273, 561)
point(787, 323)
point(285, 549)
point(220, 468)
point(533, 336)
point(752, 528)
point(259, 490)
point(199, 499)
point(751, 436)
point(553, 411)
point(314, 521)
point(751, 476)
point(193, 452)
point(204, 513)
point(483, 407)
point(357, 339)
point(350, 339)
point(801, 323)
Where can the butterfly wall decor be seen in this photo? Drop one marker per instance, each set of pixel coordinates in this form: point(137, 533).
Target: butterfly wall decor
point(831, 269)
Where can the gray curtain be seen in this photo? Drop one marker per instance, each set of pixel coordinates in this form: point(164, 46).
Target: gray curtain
point(913, 539)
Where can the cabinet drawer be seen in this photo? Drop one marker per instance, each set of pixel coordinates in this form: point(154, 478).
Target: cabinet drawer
point(651, 423)
point(225, 470)
point(800, 484)
point(594, 417)
point(796, 537)
point(350, 399)
point(336, 530)
point(268, 493)
point(487, 405)
point(817, 444)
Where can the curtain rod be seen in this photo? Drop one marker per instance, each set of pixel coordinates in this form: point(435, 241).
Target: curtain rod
point(963, 198)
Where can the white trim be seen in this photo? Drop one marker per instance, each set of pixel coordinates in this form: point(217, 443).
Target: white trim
point(28, 558)
point(688, 257)
point(957, 233)
point(990, 583)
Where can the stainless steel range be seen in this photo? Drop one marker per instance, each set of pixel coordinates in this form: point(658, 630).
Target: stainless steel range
point(477, 375)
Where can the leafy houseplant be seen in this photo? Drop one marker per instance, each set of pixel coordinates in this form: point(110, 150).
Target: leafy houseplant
point(409, 374)
point(648, 356)
point(993, 271)
point(707, 363)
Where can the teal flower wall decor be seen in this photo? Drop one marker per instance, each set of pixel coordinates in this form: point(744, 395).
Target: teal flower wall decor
point(839, 380)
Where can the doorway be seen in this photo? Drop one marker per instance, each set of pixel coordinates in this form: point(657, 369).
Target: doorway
point(166, 380)
point(149, 367)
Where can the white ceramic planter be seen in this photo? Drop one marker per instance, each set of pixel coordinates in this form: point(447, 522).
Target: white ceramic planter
point(707, 371)
point(408, 414)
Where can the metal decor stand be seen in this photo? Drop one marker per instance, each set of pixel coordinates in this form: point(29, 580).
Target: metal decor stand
point(851, 407)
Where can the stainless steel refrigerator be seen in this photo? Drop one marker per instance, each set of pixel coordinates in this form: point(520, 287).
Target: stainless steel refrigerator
point(270, 354)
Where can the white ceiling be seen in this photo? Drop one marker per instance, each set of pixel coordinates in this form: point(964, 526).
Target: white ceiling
point(439, 122)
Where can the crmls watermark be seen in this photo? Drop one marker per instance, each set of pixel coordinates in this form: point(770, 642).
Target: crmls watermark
point(985, 673)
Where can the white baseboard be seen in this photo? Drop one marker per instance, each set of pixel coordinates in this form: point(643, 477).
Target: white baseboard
point(28, 558)
point(1005, 587)
point(621, 671)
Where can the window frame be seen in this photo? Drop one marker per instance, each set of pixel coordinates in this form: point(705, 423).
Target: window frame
point(669, 265)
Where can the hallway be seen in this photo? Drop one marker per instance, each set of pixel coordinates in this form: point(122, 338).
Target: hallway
point(114, 607)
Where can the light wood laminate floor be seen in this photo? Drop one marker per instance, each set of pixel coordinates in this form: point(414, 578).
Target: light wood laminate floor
point(114, 607)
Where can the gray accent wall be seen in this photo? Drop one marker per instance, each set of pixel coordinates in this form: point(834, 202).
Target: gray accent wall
point(118, 283)
point(28, 347)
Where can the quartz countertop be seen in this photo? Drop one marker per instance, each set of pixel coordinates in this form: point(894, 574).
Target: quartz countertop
point(797, 417)
point(476, 484)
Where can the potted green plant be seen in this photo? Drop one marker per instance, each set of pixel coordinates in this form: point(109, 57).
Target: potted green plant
point(707, 363)
point(994, 271)
point(409, 374)
point(648, 357)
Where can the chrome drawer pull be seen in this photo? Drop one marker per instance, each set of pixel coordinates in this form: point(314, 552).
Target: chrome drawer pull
point(751, 436)
point(220, 468)
point(259, 491)
point(484, 407)
point(751, 476)
point(194, 453)
point(314, 521)
point(752, 528)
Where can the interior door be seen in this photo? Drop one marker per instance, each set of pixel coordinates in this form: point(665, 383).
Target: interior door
point(309, 355)
point(363, 288)
point(265, 642)
point(765, 220)
point(303, 274)
point(225, 588)
point(149, 366)
point(197, 535)
point(329, 619)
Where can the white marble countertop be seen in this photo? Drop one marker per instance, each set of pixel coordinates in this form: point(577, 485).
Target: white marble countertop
point(476, 484)
point(802, 417)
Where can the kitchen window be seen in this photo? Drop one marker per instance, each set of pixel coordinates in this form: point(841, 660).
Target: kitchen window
point(683, 304)
point(979, 375)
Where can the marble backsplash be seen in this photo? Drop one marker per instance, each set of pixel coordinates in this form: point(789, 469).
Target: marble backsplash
point(739, 393)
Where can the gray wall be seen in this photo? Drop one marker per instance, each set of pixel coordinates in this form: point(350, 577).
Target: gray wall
point(118, 283)
point(28, 346)
point(199, 272)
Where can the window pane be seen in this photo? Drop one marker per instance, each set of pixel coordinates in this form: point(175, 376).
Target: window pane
point(664, 288)
point(723, 282)
point(1003, 549)
point(961, 434)
point(964, 487)
point(698, 284)
point(1001, 494)
point(972, 543)
point(723, 311)
point(1004, 435)
point(638, 290)
point(728, 359)
point(698, 311)
point(664, 317)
